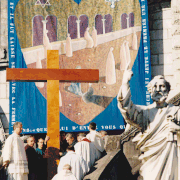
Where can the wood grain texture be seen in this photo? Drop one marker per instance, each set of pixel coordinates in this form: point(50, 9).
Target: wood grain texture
point(53, 112)
point(42, 75)
point(53, 101)
point(53, 119)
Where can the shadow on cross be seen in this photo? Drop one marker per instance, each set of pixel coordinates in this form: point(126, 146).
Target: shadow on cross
point(52, 155)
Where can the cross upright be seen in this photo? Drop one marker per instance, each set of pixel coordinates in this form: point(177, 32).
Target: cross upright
point(53, 75)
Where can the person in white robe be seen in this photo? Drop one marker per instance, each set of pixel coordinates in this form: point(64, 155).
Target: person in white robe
point(77, 163)
point(83, 148)
point(94, 154)
point(65, 174)
point(96, 139)
point(159, 139)
point(14, 156)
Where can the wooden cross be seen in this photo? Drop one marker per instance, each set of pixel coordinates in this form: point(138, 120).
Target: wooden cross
point(53, 75)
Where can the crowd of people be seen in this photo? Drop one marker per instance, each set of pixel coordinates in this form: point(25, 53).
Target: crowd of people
point(77, 155)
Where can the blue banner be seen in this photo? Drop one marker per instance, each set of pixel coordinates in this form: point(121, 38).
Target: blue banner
point(105, 35)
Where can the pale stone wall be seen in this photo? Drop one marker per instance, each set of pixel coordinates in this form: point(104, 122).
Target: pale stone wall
point(4, 86)
point(3, 27)
point(160, 24)
point(175, 9)
point(4, 100)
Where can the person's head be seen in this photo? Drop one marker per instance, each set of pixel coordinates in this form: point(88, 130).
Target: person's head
point(63, 135)
point(17, 127)
point(80, 136)
point(103, 133)
point(70, 138)
point(40, 143)
point(66, 167)
point(92, 126)
point(70, 148)
point(159, 89)
point(31, 141)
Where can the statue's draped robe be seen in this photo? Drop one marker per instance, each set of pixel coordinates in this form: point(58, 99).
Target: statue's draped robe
point(14, 152)
point(159, 153)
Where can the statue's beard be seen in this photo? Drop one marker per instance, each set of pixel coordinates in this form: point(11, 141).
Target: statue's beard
point(159, 97)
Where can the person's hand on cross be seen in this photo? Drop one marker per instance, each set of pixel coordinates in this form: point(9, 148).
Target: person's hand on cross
point(46, 139)
point(6, 163)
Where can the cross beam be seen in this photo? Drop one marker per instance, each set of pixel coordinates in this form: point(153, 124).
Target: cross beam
point(53, 75)
point(42, 75)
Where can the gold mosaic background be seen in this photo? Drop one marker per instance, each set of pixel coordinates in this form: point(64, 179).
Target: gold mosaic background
point(62, 9)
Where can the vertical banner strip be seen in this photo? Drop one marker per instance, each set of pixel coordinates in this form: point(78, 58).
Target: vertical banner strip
point(12, 41)
point(146, 47)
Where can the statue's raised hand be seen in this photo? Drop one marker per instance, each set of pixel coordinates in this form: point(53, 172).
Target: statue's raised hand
point(125, 81)
point(127, 76)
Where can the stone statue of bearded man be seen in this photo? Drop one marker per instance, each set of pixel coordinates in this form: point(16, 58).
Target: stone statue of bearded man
point(159, 139)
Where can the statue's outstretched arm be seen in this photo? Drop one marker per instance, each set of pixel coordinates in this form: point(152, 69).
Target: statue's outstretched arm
point(125, 83)
point(125, 87)
point(132, 113)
